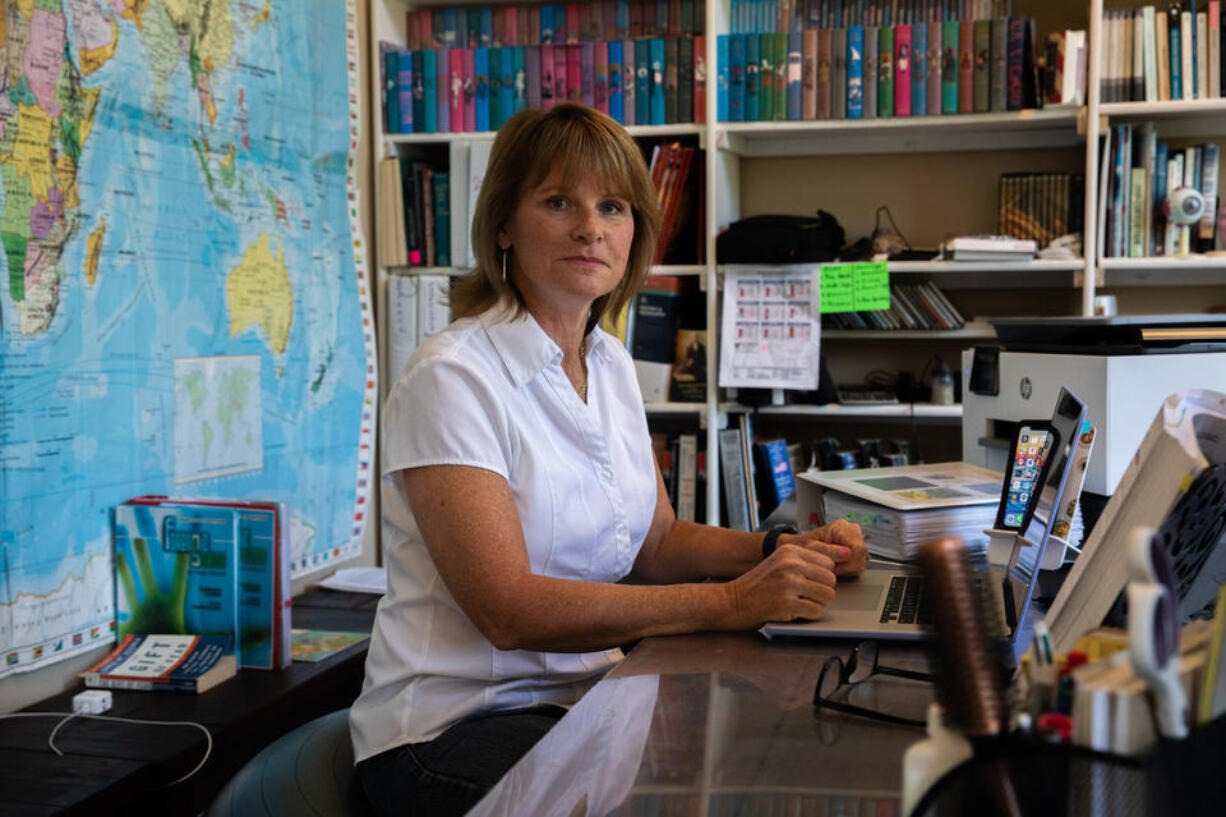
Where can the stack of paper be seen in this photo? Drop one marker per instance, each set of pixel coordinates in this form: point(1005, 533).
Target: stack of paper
point(899, 508)
point(898, 534)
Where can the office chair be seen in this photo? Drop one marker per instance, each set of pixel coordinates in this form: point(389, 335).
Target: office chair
point(308, 771)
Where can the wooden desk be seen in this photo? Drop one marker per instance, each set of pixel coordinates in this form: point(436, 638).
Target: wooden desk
point(716, 724)
point(120, 768)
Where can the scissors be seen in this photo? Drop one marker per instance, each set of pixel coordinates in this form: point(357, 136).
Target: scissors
point(1153, 629)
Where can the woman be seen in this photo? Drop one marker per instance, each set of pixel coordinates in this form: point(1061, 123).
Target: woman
point(526, 488)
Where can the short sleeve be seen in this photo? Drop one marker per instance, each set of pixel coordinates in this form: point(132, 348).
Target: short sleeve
point(446, 412)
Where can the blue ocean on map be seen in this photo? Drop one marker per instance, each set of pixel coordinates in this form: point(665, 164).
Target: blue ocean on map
point(219, 348)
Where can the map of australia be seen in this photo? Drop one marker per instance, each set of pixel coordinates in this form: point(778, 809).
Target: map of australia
point(180, 302)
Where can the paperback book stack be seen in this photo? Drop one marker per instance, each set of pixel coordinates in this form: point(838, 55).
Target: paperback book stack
point(206, 567)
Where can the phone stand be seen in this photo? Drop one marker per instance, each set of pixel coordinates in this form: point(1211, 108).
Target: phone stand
point(1002, 544)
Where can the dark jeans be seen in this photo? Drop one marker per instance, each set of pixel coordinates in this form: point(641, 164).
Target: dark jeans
point(449, 774)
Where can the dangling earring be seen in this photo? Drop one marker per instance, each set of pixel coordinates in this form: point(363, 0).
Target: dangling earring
point(505, 253)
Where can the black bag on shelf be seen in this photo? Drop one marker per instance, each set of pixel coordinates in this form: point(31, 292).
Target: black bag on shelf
point(779, 239)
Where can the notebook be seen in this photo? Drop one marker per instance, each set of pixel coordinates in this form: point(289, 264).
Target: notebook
point(889, 602)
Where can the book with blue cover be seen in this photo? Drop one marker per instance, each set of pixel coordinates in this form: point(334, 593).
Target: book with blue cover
point(164, 663)
point(752, 88)
point(855, 72)
point(429, 60)
point(419, 91)
point(657, 106)
point(442, 217)
point(493, 57)
point(263, 579)
point(736, 78)
point(481, 83)
point(176, 570)
point(506, 86)
point(391, 88)
point(615, 82)
point(404, 89)
point(949, 67)
point(721, 77)
point(919, 70)
point(642, 82)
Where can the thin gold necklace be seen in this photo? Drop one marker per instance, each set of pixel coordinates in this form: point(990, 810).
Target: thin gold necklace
point(583, 363)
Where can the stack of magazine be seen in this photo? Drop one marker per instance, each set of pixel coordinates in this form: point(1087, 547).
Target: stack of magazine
point(899, 508)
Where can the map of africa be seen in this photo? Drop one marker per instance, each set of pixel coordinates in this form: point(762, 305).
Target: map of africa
point(182, 306)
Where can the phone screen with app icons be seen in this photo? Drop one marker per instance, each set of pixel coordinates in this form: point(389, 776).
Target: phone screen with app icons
point(1024, 472)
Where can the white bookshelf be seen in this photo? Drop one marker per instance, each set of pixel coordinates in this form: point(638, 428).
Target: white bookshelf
point(921, 134)
point(731, 147)
point(922, 412)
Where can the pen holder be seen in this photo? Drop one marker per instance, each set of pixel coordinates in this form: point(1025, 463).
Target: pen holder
point(1179, 778)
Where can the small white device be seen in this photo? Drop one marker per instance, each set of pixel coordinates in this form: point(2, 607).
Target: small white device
point(91, 702)
point(1184, 206)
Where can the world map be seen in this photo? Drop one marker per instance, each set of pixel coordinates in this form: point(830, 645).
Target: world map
point(182, 300)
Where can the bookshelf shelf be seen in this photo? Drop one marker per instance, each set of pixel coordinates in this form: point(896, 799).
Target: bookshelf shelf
point(969, 333)
point(921, 134)
point(922, 412)
point(696, 409)
point(1175, 119)
point(488, 136)
point(1196, 270)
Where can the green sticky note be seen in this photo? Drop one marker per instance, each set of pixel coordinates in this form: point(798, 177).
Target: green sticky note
point(838, 288)
point(871, 286)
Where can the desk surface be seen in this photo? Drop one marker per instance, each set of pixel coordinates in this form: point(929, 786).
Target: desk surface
point(715, 724)
point(119, 768)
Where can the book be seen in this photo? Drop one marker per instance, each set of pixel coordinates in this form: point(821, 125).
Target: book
point(902, 69)
point(1179, 445)
point(901, 507)
point(735, 497)
point(949, 67)
point(775, 481)
point(264, 575)
point(885, 71)
point(314, 646)
point(164, 663)
point(855, 73)
point(176, 570)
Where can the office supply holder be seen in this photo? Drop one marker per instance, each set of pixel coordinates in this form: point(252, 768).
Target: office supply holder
point(1022, 776)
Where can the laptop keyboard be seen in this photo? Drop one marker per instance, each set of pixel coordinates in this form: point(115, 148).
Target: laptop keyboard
point(906, 602)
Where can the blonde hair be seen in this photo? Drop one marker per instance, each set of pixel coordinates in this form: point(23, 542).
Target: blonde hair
point(581, 143)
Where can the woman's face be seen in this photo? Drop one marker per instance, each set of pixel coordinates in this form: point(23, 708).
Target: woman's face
point(569, 243)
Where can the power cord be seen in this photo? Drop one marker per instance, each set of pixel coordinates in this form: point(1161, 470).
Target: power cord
point(208, 737)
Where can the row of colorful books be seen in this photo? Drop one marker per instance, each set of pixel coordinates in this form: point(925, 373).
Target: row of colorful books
point(759, 16)
point(206, 566)
point(1040, 206)
point(414, 214)
point(1152, 55)
point(912, 306)
point(1138, 174)
point(660, 81)
point(959, 66)
point(552, 23)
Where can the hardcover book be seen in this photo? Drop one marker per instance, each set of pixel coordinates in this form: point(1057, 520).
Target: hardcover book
point(838, 73)
point(919, 69)
point(983, 65)
point(165, 663)
point(902, 70)
point(263, 579)
point(966, 66)
point(949, 67)
point(885, 71)
point(176, 570)
point(855, 72)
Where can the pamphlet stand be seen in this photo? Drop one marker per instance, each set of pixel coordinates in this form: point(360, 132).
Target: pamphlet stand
point(1181, 778)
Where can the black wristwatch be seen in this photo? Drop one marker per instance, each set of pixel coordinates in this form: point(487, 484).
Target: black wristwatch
point(772, 538)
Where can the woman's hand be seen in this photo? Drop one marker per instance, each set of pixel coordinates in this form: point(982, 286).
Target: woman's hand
point(794, 582)
point(841, 540)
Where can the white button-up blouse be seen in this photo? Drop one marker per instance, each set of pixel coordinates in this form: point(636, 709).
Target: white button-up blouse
point(489, 392)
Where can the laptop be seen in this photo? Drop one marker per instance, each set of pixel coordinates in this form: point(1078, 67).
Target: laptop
point(889, 603)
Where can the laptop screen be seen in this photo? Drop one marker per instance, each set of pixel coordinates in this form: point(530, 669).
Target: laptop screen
point(1019, 579)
